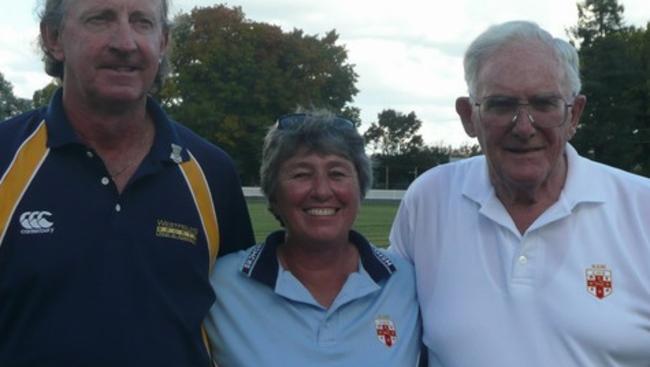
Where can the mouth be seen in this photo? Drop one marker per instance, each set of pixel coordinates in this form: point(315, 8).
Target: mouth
point(321, 212)
point(523, 150)
point(121, 68)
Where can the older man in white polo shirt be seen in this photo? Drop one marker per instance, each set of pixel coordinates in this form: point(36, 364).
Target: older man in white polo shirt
point(529, 255)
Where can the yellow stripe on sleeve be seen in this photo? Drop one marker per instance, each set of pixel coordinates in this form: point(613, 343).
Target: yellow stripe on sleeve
point(203, 200)
point(206, 341)
point(20, 173)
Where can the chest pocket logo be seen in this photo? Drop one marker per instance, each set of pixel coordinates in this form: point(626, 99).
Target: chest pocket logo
point(176, 231)
point(36, 222)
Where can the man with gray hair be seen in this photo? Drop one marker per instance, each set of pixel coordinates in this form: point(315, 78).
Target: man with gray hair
point(111, 213)
point(529, 255)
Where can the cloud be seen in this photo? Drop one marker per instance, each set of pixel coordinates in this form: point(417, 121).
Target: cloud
point(408, 54)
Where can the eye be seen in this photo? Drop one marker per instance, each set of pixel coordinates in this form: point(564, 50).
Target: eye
point(339, 173)
point(299, 174)
point(500, 105)
point(545, 104)
point(97, 20)
point(143, 23)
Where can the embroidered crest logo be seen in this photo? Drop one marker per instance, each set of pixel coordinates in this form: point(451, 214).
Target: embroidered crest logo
point(386, 332)
point(176, 231)
point(599, 281)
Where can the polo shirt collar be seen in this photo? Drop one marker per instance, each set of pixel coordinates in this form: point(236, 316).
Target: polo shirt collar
point(579, 186)
point(59, 130)
point(168, 146)
point(261, 263)
point(578, 189)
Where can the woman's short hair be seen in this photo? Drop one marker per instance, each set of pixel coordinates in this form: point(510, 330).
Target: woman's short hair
point(496, 36)
point(320, 132)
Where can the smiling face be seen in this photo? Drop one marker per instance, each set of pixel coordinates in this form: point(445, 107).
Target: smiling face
point(522, 156)
point(110, 49)
point(317, 198)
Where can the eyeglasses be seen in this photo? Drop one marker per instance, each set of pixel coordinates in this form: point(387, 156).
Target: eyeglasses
point(544, 112)
point(293, 120)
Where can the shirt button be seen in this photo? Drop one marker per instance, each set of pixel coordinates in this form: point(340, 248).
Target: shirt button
point(89, 154)
point(105, 181)
point(523, 260)
point(118, 207)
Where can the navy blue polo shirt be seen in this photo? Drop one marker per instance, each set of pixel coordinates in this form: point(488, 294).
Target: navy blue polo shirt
point(92, 277)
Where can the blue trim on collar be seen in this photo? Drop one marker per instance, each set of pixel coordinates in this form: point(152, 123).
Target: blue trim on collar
point(166, 135)
point(261, 263)
point(59, 130)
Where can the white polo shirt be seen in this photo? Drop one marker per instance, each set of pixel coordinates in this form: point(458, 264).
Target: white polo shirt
point(264, 316)
point(574, 290)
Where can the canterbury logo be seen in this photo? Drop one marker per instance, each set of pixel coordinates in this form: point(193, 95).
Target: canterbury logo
point(36, 222)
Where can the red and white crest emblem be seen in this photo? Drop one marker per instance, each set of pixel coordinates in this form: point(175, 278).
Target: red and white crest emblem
point(386, 332)
point(599, 281)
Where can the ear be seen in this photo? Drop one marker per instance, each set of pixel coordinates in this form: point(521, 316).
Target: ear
point(575, 111)
point(271, 209)
point(164, 42)
point(52, 41)
point(465, 110)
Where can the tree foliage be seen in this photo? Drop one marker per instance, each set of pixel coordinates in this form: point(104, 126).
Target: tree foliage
point(394, 133)
point(42, 96)
point(400, 153)
point(233, 77)
point(10, 105)
point(597, 19)
point(615, 64)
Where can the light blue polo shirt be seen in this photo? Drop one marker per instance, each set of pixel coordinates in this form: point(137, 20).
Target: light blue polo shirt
point(264, 316)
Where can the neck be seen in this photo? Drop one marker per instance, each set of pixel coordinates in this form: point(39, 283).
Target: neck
point(526, 203)
point(322, 270)
point(121, 137)
point(107, 125)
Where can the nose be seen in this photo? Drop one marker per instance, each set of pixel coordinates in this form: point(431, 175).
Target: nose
point(321, 187)
point(123, 37)
point(522, 128)
point(516, 116)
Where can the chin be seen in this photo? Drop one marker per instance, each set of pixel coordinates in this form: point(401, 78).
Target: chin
point(121, 95)
point(525, 176)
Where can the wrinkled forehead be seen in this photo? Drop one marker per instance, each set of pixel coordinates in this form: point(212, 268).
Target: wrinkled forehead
point(521, 67)
point(145, 6)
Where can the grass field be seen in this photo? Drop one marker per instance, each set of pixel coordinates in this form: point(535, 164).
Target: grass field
point(374, 220)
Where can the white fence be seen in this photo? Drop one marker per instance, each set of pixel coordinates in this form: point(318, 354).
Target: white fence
point(254, 192)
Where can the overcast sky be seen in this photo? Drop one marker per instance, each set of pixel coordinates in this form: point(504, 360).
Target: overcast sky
point(408, 53)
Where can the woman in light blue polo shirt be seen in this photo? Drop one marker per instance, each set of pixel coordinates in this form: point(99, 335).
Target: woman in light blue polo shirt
point(316, 293)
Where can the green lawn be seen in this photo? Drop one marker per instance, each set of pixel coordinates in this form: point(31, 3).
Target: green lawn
point(374, 220)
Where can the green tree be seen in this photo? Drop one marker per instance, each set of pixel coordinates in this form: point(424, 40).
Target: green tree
point(10, 105)
point(616, 81)
point(394, 133)
point(42, 96)
point(233, 77)
point(400, 153)
point(465, 151)
point(597, 19)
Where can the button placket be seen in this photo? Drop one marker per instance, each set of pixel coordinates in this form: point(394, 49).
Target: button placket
point(327, 332)
point(523, 263)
